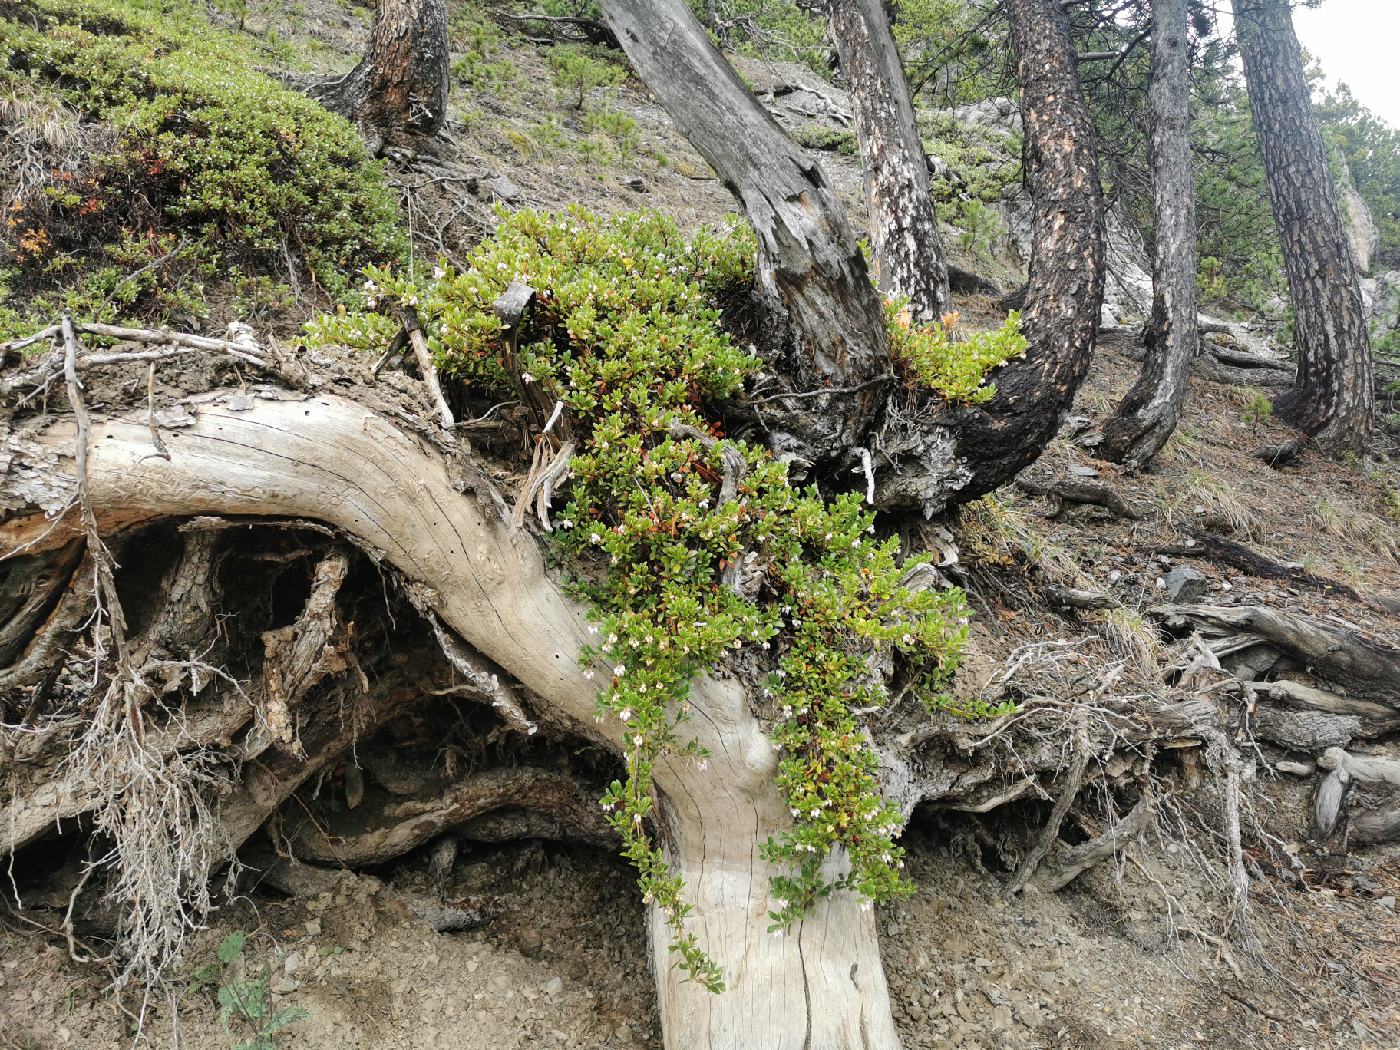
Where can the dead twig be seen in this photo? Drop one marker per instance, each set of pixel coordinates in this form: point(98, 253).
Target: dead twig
point(424, 357)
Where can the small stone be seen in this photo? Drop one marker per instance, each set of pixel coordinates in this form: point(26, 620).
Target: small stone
point(312, 927)
point(503, 189)
point(501, 981)
point(178, 416)
point(530, 941)
point(1387, 902)
point(1184, 584)
point(554, 986)
point(284, 986)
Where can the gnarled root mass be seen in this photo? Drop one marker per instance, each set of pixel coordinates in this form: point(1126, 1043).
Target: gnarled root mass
point(301, 625)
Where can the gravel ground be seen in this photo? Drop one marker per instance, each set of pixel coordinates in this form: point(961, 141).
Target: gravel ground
point(563, 963)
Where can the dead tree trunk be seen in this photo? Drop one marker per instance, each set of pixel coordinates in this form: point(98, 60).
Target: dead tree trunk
point(808, 258)
point(400, 86)
point(1332, 397)
point(909, 258)
point(1149, 413)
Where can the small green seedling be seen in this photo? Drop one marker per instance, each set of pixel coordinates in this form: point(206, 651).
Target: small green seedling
point(244, 1001)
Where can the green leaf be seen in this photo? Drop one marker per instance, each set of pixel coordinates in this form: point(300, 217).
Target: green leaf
point(203, 977)
point(232, 947)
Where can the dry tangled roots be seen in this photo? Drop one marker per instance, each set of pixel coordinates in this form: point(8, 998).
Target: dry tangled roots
point(200, 654)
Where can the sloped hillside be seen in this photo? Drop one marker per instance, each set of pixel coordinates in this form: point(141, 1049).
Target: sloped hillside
point(122, 204)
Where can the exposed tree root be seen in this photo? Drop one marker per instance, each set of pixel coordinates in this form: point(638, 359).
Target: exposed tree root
point(386, 828)
point(190, 742)
point(1068, 491)
point(1338, 653)
point(1085, 856)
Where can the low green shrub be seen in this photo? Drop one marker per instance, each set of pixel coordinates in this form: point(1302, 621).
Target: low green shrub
point(244, 1002)
point(205, 165)
point(837, 140)
point(957, 368)
point(578, 71)
point(618, 129)
point(478, 68)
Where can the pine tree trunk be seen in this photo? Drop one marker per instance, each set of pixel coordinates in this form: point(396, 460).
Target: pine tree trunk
point(400, 86)
point(1065, 290)
point(1149, 413)
point(909, 257)
point(1332, 396)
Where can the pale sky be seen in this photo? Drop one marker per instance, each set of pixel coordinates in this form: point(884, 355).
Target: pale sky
point(1358, 42)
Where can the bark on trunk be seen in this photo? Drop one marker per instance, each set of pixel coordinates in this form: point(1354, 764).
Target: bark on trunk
point(400, 86)
point(963, 452)
point(335, 461)
point(808, 257)
point(909, 258)
point(1149, 413)
point(1332, 396)
point(937, 454)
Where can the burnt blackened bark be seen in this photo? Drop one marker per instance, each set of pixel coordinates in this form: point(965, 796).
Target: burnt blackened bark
point(927, 455)
point(909, 258)
point(808, 257)
point(1149, 413)
point(400, 86)
point(1332, 397)
point(956, 453)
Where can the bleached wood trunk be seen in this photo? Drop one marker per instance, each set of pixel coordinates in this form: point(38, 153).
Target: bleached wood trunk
point(820, 983)
point(336, 461)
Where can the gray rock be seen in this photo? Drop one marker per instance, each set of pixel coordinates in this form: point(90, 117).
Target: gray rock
point(1381, 297)
point(554, 986)
point(997, 113)
point(1362, 232)
point(504, 190)
point(1387, 902)
point(1184, 584)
